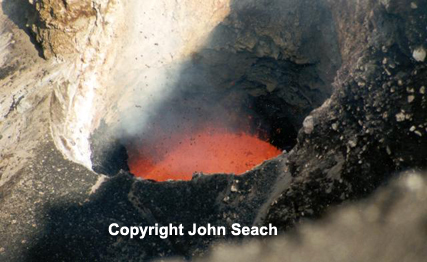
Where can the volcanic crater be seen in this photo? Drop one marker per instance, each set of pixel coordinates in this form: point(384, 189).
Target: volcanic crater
point(227, 111)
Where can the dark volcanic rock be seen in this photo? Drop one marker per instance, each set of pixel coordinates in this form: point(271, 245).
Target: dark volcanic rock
point(109, 156)
point(390, 226)
point(78, 231)
point(281, 58)
point(219, 200)
point(30, 204)
point(375, 122)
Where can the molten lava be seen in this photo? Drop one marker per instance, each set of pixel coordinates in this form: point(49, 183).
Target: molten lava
point(209, 150)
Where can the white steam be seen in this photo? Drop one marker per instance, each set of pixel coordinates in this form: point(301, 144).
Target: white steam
point(160, 37)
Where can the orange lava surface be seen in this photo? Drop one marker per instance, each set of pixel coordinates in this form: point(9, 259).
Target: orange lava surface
point(209, 150)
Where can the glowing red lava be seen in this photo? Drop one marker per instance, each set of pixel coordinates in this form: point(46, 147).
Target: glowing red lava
point(210, 150)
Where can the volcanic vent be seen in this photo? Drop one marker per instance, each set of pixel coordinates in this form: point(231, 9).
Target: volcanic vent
point(202, 132)
point(190, 71)
point(209, 150)
point(228, 125)
point(237, 101)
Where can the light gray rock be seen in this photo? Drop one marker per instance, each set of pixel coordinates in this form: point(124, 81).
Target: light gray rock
point(387, 227)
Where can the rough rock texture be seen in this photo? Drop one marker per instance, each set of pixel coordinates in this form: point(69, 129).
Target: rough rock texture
point(77, 231)
point(373, 125)
point(37, 98)
point(390, 226)
point(71, 83)
point(375, 122)
point(61, 26)
point(46, 181)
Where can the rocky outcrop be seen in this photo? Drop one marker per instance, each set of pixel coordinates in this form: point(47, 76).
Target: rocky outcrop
point(375, 122)
point(37, 98)
point(63, 27)
point(282, 54)
point(387, 227)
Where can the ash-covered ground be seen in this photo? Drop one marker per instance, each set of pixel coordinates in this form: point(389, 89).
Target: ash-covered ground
point(347, 79)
